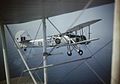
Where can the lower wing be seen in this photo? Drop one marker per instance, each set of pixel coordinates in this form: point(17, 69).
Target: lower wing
point(80, 42)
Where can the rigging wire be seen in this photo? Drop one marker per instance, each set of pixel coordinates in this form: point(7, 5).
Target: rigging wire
point(93, 55)
point(58, 30)
point(85, 7)
point(95, 58)
point(60, 34)
point(17, 47)
point(87, 64)
point(98, 51)
point(54, 26)
point(34, 40)
point(100, 63)
point(79, 65)
point(49, 53)
point(94, 70)
point(32, 48)
point(98, 76)
point(13, 39)
point(67, 74)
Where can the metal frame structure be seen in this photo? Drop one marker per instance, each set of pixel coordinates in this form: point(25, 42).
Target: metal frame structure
point(4, 48)
point(22, 57)
point(44, 50)
point(115, 70)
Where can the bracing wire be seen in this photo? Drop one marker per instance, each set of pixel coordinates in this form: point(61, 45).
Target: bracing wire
point(32, 48)
point(95, 58)
point(67, 74)
point(17, 47)
point(86, 62)
point(92, 55)
point(12, 38)
point(93, 69)
point(98, 76)
point(84, 8)
point(100, 63)
point(59, 33)
point(34, 39)
point(54, 26)
point(90, 66)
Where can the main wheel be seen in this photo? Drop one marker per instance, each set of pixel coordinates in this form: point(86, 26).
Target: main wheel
point(80, 52)
point(69, 53)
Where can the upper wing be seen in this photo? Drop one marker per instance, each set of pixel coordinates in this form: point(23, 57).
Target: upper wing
point(80, 26)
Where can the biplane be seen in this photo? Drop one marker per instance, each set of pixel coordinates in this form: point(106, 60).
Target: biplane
point(71, 38)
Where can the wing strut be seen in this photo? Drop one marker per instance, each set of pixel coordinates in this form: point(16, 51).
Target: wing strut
point(4, 48)
point(45, 54)
point(89, 32)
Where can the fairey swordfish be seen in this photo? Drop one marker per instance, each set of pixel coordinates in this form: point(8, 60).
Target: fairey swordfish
point(71, 38)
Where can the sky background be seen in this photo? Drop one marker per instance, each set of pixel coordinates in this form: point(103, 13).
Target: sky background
point(73, 73)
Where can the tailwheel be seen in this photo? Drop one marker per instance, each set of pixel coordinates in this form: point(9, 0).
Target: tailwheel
point(69, 53)
point(80, 52)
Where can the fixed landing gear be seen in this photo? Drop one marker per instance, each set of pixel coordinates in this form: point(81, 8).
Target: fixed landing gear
point(69, 53)
point(80, 52)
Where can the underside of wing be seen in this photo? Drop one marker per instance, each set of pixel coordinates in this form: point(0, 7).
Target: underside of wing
point(20, 11)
